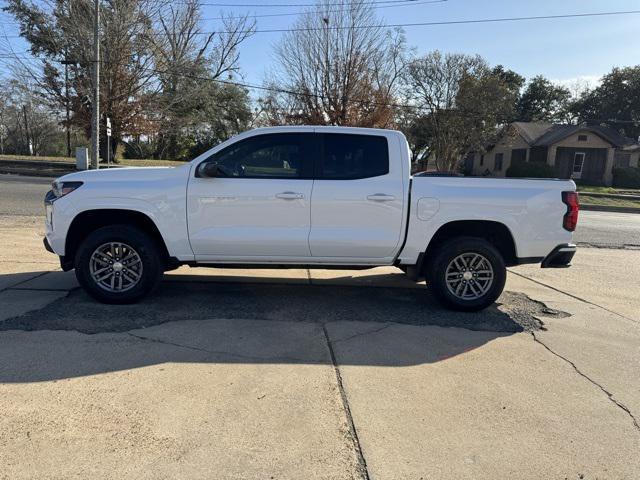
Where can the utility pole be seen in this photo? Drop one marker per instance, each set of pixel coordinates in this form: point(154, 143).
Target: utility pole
point(26, 130)
point(66, 62)
point(66, 94)
point(95, 105)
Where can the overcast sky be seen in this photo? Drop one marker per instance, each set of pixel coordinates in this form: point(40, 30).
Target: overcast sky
point(561, 49)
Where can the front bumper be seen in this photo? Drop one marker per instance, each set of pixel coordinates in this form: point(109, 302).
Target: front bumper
point(560, 257)
point(47, 246)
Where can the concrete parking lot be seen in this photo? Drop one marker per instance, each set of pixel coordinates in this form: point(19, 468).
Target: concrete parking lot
point(292, 374)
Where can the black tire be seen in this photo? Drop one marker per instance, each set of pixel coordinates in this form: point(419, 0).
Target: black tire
point(147, 250)
point(445, 255)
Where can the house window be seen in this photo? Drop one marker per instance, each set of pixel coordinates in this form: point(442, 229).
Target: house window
point(481, 160)
point(498, 161)
point(578, 164)
point(622, 160)
point(582, 138)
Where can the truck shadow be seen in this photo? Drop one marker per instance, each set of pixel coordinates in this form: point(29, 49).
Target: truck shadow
point(251, 323)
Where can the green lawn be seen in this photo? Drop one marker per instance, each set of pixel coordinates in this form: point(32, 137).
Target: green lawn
point(594, 189)
point(28, 158)
point(609, 202)
point(586, 199)
point(151, 163)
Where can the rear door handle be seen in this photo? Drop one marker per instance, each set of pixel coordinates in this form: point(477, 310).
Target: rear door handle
point(290, 195)
point(380, 197)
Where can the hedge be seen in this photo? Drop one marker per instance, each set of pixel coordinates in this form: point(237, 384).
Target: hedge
point(628, 177)
point(531, 170)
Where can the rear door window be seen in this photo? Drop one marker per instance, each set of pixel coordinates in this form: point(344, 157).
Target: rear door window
point(350, 157)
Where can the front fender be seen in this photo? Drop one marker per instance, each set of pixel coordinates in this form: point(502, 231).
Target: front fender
point(169, 218)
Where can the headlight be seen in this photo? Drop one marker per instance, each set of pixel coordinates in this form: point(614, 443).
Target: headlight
point(60, 189)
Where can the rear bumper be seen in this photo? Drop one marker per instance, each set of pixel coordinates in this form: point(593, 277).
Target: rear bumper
point(560, 257)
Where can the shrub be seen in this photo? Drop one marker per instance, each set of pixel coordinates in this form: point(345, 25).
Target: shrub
point(531, 170)
point(628, 177)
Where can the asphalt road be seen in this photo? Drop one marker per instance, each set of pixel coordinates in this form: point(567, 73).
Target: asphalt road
point(23, 196)
point(608, 229)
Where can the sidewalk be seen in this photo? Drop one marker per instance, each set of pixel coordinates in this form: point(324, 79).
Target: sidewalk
point(317, 374)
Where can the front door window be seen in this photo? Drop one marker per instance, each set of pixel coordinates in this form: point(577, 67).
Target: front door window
point(578, 164)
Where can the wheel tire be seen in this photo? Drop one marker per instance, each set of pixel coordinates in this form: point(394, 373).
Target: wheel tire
point(444, 258)
point(151, 264)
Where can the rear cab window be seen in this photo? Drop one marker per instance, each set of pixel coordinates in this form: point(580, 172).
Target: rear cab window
point(352, 156)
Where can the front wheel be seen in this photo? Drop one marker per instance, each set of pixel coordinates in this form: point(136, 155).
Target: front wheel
point(118, 264)
point(467, 274)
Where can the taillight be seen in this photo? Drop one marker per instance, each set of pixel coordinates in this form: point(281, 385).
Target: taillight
point(570, 220)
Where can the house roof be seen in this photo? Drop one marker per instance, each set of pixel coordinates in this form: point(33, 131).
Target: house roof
point(543, 134)
point(634, 147)
point(531, 131)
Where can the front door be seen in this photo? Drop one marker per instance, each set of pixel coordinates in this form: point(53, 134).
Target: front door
point(259, 204)
point(578, 165)
point(358, 198)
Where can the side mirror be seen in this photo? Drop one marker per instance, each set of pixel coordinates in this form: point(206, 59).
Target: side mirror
point(208, 170)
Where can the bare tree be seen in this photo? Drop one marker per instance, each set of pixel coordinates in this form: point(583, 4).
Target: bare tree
point(27, 124)
point(187, 63)
point(461, 104)
point(157, 69)
point(62, 30)
point(337, 68)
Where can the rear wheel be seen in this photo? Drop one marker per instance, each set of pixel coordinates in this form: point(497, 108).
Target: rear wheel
point(118, 264)
point(467, 274)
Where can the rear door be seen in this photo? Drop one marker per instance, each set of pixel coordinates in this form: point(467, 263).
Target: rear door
point(358, 197)
point(259, 206)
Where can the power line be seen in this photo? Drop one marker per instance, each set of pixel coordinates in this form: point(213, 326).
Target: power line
point(415, 24)
point(450, 22)
point(408, 3)
point(399, 3)
point(284, 5)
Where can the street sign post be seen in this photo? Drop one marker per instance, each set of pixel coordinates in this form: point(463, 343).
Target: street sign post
point(108, 142)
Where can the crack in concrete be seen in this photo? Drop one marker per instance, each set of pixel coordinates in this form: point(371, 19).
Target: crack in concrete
point(362, 463)
point(33, 262)
point(573, 296)
point(219, 352)
point(362, 334)
point(24, 289)
point(609, 246)
point(590, 380)
point(23, 281)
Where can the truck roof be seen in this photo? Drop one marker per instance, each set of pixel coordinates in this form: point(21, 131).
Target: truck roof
point(327, 128)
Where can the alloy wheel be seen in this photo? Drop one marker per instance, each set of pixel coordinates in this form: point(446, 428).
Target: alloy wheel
point(115, 267)
point(469, 276)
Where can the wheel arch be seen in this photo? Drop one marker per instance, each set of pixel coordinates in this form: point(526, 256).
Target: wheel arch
point(496, 233)
point(88, 221)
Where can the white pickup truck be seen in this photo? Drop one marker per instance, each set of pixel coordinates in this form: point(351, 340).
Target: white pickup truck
point(312, 197)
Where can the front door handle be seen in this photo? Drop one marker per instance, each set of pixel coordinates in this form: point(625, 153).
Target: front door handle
point(290, 195)
point(380, 197)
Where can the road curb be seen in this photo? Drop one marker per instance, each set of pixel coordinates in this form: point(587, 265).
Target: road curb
point(619, 196)
point(34, 173)
point(36, 169)
point(604, 208)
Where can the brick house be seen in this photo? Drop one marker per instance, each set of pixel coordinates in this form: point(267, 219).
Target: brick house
point(582, 152)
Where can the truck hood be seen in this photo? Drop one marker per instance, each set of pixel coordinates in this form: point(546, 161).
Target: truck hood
point(125, 174)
